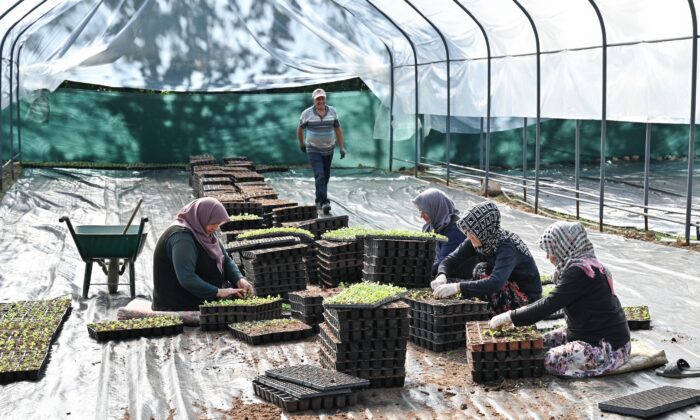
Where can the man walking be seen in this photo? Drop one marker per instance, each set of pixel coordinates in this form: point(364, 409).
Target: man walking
point(320, 122)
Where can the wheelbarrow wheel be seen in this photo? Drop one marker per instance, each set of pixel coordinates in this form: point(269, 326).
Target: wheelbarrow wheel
point(113, 275)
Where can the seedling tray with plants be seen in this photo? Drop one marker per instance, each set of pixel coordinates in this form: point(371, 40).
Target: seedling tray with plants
point(364, 295)
point(135, 328)
point(22, 366)
point(402, 235)
point(638, 317)
point(392, 315)
point(271, 204)
point(405, 280)
point(422, 300)
point(270, 331)
point(322, 225)
point(309, 302)
point(289, 403)
point(329, 248)
point(249, 244)
point(216, 315)
point(385, 247)
point(254, 194)
point(304, 235)
point(247, 176)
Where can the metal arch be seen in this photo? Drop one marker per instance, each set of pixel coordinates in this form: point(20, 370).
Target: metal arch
point(2, 166)
point(603, 119)
point(487, 147)
point(12, 55)
point(449, 95)
point(691, 140)
point(415, 63)
point(391, 98)
point(539, 105)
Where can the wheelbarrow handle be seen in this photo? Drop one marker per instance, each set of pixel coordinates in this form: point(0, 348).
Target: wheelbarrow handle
point(66, 220)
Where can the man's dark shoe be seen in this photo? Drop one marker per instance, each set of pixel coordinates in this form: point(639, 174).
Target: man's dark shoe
point(326, 208)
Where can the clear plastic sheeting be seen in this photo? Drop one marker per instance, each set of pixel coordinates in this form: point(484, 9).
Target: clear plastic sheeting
point(203, 374)
point(215, 45)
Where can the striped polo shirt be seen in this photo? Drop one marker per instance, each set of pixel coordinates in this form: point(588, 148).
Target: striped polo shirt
point(320, 132)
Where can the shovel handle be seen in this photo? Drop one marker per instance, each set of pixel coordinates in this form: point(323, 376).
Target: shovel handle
point(131, 219)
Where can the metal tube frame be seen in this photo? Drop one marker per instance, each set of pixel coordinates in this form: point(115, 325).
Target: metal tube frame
point(487, 146)
point(525, 159)
point(691, 140)
point(2, 167)
point(539, 110)
point(415, 63)
point(449, 95)
point(647, 160)
point(603, 119)
point(577, 166)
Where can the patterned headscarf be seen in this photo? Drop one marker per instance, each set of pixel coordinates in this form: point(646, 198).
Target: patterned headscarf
point(439, 208)
point(569, 244)
point(484, 222)
point(196, 216)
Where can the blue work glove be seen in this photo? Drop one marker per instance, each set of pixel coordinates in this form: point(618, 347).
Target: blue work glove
point(342, 153)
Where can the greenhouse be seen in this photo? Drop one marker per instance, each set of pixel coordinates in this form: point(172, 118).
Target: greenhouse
point(349, 209)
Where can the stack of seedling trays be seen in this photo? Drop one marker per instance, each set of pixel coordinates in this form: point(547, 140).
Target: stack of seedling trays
point(438, 324)
point(306, 387)
point(197, 161)
point(293, 214)
point(403, 262)
point(246, 175)
point(277, 270)
point(307, 306)
point(213, 190)
point(254, 192)
point(365, 333)
point(235, 248)
point(270, 331)
point(217, 315)
point(243, 221)
point(339, 262)
point(27, 330)
point(158, 326)
point(269, 204)
point(515, 352)
point(240, 207)
point(638, 317)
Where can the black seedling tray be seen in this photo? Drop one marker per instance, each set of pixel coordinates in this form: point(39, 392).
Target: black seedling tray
point(339, 263)
point(290, 404)
point(241, 225)
point(393, 310)
point(436, 347)
point(505, 365)
point(23, 375)
point(506, 355)
point(276, 252)
point(247, 244)
point(348, 335)
point(424, 242)
point(402, 271)
point(220, 320)
point(262, 269)
point(317, 378)
point(438, 329)
point(448, 337)
point(308, 319)
point(299, 391)
point(419, 262)
point(381, 245)
point(364, 346)
point(370, 374)
point(652, 402)
point(492, 375)
point(639, 325)
point(273, 337)
point(275, 305)
point(447, 306)
point(361, 364)
point(135, 333)
point(250, 207)
point(448, 320)
point(363, 306)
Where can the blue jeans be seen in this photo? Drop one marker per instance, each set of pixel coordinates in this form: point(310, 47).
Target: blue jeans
point(321, 166)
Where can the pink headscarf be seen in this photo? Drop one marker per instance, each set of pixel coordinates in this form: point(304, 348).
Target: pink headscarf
point(196, 216)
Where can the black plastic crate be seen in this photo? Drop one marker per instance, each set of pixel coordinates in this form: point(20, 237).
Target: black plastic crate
point(652, 402)
point(290, 404)
point(317, 378)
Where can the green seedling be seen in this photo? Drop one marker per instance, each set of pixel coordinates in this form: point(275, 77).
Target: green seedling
point(365, 293)
point(547, 289)
point(637, 313)
point(133, 324)
point(246, 301)
point(353, 233)
point(515, 333)
point(244, 216)
point(276, 231)
point(269, 326)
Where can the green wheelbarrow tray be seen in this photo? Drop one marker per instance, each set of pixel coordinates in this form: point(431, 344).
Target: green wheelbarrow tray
point(110, 249)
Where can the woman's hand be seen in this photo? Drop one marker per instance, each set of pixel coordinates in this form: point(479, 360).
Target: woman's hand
point(246, 286)
point(227, 293)
point(500, 321)
point(446, 290)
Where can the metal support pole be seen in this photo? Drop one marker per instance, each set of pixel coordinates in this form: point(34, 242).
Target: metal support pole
point(449, 95)
point(577, 166)
point(415, 65)
point(691, 140)
point(19, 120)
point(647, 160)
point(603, 119)
point(481, 143)
point(525, 159)
point(12, 55)
point(539, 111)
point(2, 171)
point(487, 146)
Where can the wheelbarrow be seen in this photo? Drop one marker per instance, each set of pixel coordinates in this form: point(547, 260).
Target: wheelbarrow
point(112, 247)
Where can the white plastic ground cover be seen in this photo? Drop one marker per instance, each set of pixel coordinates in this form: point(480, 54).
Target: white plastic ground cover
point(217, 45)
point(200, 374)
